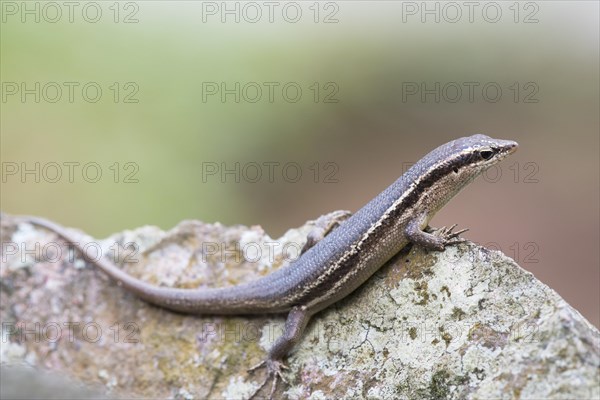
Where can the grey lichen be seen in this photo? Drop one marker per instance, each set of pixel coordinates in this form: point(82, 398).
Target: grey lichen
point(464, 323)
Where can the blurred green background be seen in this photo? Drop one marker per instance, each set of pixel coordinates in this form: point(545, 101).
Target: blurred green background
point(157, 124)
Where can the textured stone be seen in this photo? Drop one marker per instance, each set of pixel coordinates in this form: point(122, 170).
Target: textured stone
point(464, 323)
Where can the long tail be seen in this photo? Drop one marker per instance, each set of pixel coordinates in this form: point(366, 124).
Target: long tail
point(239, 299)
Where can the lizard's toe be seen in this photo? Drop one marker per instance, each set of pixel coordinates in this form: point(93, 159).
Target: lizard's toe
point(274, 372)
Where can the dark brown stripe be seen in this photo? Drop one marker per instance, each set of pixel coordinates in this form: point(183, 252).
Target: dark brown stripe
point(349, 266)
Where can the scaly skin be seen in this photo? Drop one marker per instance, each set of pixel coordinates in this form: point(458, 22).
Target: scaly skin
point(343, 259)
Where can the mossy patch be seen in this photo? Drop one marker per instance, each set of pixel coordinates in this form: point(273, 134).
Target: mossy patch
point(422, 291)
point(445, 289)
point(440, 385)
point(458, 314)
point(412, 332)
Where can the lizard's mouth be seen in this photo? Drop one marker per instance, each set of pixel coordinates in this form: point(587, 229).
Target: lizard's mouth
point(506, 148)
point(512, 146)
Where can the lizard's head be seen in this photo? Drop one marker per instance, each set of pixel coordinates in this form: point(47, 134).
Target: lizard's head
point(474, 154)
point(453, 165)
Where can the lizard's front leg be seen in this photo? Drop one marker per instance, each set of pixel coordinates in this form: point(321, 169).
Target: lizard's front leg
point(437, 240)
point(296, 321)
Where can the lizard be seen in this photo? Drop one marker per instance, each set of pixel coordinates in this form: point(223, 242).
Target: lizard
point(341, 253)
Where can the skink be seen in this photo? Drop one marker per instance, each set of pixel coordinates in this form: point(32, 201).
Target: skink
point(351, 249)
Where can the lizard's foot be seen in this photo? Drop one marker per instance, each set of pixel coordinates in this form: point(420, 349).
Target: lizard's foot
point(448, 237)
point(274, 371)
point(323, 226)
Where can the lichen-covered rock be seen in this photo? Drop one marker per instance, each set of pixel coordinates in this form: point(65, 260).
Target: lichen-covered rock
point(463, 323)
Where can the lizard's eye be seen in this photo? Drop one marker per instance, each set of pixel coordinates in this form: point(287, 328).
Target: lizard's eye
point(486, 154)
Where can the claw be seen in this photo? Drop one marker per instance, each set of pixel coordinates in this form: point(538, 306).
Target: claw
point(274, 368)
point(273, 387)
point(457, 233)
point(257, 366)
point(448, 236)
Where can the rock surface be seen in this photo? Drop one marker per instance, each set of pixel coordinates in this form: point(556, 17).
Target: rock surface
point(464, 323)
